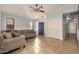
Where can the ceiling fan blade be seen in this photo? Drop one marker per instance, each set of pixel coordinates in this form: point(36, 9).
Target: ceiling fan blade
point(40, 7)
point(41, 11)
point(37, 9)
point(32, 8)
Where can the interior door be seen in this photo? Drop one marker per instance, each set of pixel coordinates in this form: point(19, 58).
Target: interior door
point(41, 28)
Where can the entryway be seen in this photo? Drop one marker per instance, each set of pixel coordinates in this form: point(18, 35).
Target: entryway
point(40, 28)
point(70, 25)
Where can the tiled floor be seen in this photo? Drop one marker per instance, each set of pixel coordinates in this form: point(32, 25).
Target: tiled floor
point(43, 45)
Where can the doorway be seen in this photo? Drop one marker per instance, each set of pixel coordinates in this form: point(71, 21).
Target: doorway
point(72, 30)
point(70, 24)
point(41, 28)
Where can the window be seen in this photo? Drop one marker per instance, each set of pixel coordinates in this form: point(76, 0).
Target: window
point(31, 25)
point(9, 24)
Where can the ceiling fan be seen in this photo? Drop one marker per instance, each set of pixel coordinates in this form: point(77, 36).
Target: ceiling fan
point(37, 8)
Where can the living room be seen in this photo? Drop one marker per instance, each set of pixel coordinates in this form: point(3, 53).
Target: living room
point(35, 23)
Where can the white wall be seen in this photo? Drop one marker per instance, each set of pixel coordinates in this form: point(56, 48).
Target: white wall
point(0, 20)
point(54, 27)
point(20, 23)
point(55, 21)
point(72, 27)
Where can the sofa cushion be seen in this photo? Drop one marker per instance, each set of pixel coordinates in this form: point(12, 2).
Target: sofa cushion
point(7, 35)
point(14, 34)
point(27, 33)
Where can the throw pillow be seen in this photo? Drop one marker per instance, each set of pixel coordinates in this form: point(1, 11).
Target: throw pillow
point(7, 35)
point(15, 34)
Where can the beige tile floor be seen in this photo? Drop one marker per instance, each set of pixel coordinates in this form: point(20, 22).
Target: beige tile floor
point(44, 45)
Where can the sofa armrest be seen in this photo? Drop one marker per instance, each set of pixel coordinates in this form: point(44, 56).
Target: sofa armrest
point(14, 43)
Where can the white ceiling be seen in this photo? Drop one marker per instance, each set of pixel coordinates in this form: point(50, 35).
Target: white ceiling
point(50, 9)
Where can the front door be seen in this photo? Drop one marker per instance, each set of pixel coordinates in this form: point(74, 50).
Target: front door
point(41, 28)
